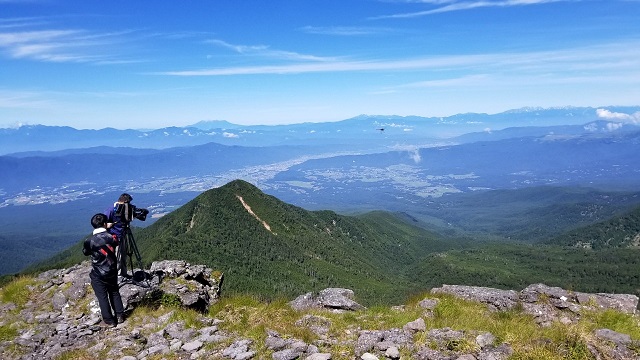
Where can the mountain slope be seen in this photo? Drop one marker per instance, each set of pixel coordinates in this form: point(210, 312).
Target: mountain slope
point(619, 232)
point(269, 248)
point(508, 266)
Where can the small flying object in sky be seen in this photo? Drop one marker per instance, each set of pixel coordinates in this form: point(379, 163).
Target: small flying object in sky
point(381, 129)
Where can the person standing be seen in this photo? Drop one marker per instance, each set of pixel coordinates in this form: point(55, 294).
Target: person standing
point(117, 221)
point(101, 246)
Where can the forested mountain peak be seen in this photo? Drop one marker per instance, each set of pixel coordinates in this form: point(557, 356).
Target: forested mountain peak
point(270, 248)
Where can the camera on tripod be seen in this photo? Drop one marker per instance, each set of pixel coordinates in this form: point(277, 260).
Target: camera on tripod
point(128, 212)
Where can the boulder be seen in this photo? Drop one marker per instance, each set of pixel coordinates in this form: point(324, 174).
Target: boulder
point(496, 299)
point(331, 298)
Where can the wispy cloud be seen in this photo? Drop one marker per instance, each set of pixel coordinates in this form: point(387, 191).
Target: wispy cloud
point(266, 51)
point(345, 30)
point(621, 59)
point(443, 6)
point(21, 22)
point(22, 99)
point(59, 45)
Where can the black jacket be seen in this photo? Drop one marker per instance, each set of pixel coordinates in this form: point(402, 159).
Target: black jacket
point(102, 248)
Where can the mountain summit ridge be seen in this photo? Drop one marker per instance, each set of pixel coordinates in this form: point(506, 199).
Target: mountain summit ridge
point(272, 248)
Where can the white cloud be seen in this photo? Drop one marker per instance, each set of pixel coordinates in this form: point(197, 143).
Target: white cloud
point(413, 151)
point(266, 51)
point(22, 99)
point(415, 155)
point(230, 135)
point(615, 62)
point(345, 30)
point(454, 5)
point(609, 115)
point(66, 45)
point(614, 126)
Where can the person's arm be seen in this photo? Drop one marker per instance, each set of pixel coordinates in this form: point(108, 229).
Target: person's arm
point(86, 249)
point(109, 214)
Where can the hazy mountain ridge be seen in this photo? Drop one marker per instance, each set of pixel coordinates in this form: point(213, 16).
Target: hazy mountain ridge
point(359, 131)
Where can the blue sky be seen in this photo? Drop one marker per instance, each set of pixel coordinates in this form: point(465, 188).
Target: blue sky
point(152, 64)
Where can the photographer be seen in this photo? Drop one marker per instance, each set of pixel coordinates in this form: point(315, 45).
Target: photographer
point(119, 216)
point(117, 222)
point(104, 273)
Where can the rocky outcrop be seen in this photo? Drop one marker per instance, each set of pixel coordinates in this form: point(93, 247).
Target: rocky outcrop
point(64, 313)
point(547, 304)
point(332, 298)
point(61, 319)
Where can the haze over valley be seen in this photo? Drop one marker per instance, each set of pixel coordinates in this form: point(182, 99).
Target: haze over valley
point(510, 181)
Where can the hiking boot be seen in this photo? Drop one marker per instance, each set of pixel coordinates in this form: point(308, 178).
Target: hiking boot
point(102, 325)
point(120, 319)
point(108, 325)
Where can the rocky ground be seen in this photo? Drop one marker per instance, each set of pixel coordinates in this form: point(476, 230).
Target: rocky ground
point(61, 321)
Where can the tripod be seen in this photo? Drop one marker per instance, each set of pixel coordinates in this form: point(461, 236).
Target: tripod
point(129, 249)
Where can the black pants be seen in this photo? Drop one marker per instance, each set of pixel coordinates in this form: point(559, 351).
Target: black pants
point(108, 295)
point(121, 254)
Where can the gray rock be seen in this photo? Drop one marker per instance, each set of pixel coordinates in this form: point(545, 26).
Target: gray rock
point(177, 331)
point(485, 340)
point(238, 350)
point(398, 337)
point(337, 298)
point(466, 357)
point(194, 285)
point(192, 346)
point(171, 268)
point(610, 335)
point(626, 303)
point(330, 298)
point(58, 301)
point(367, 340)
point(532, 293)
point(319, 356)
point(275, 343)
point(392, 353)
point(430, 354)
point(287, 354)
point(445, 336)
point(245, 355)
point(496, 299)
point(304, 302)
point(415, 326)
point(501, 352)
point(368, 356)
point(79, 282)
point(428, 304)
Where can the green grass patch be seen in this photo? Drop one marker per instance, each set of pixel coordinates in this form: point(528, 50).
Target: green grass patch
point(17, 291)
point(616, 321)
point(8, 333)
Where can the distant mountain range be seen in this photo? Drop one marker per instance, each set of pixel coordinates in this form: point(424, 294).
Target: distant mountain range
point(523, 175)
point(364, 132)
